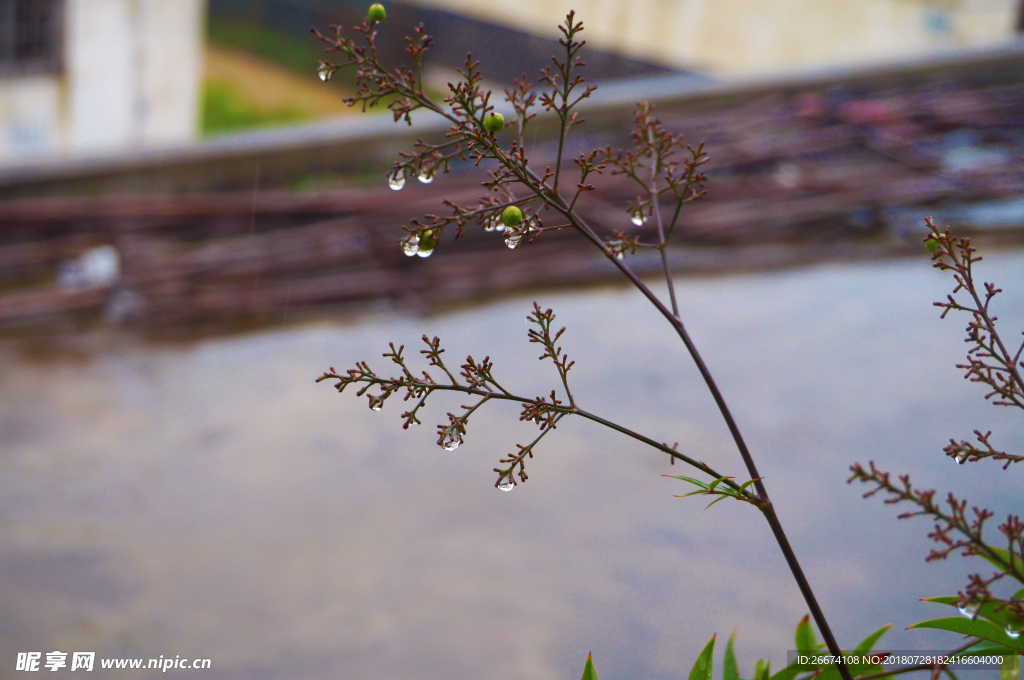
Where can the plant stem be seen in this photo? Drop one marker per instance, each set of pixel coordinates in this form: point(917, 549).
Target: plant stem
point(766, 507)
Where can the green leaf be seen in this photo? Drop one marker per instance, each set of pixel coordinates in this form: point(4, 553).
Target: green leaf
point(588, 669)
point(1019, 595)
point(976, 628)
point(987, 648)
point(730, 671)
point(868, 643)
point(763, 669)
point(702, 667)
point(1009, 669)
point(1007, 557)
point(993, 611)
point(720, 498)
point(805, 639)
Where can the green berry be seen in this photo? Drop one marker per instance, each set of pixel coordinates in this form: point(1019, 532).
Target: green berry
point(932, 245)
point(512, 216)
point(427, 241)
point(377, 12)
point(493, 122)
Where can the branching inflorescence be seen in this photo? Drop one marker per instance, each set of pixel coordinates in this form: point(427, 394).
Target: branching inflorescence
point(478, 380)
point(989, 363)
point(524, 202)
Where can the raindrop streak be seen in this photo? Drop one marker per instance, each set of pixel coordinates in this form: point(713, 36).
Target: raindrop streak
point(513, 240)
point(411, 245)
point(396, 181)
point(425, 176)
point(507, 485)
point(324, 72)
point(639, 218)
point(1011, 632)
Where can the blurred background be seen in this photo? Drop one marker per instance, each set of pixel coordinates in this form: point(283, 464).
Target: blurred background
point(193, 227)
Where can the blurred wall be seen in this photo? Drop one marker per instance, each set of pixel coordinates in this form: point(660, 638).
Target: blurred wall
point(127, 74)
point(752, 36)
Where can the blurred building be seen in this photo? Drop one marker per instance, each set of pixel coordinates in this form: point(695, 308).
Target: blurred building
point(95, 76)
point(743, 36)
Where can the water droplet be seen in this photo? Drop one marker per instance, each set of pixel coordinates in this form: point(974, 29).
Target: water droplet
point(426, 176)
point(411, 245)
point(639, 217)
point(396, 181)
point(507, 485)
point(324, 72)
point(451, 442)
point(1012, 632)
point(962, 459)
point(513, 240)
point(425, 252)
point(619, 255)
point(969, 611)
point(375, 406)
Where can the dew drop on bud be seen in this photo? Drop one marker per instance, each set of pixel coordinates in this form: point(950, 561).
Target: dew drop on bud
point(426, 176)
point(619, 255)
point(411, 245)
point(423, 252)
point(638, 218)
point(451, 442)
point(513, 241)
point(396, 181)
point(507, 485)
point(962, 459)
point(324, 72)
point(375, 406)
point(969, 612)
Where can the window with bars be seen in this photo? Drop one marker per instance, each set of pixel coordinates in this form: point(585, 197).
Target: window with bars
point(30, 37)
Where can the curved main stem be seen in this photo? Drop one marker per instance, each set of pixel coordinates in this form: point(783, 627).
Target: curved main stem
point(766, 505)
point(550, 195)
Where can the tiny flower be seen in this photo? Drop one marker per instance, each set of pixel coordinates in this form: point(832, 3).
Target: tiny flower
point(376, 12)
point(494, 122)
point(512, 216)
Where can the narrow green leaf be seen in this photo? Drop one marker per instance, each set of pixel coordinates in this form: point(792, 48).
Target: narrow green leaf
point(868, 643)
point(942, 599)
point(702, 667)
point(1007, 557)
point(588, 669)
point(987, 648)
point(993, 611)
point(805, 639)
point(762, 669)
point(1019, 595)
point(720, 498)
point(730, 671)
point(977, 628)
point(1009, 669)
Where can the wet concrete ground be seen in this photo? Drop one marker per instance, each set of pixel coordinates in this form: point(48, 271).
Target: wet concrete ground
point(208, 499)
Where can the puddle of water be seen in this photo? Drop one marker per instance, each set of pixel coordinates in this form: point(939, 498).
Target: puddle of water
point(211, 501)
